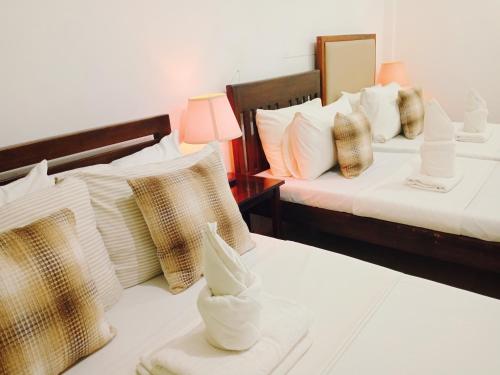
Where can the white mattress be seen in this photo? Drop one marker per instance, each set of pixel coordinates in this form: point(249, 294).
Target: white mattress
point(487, 151)
point(367, 319)
point(334, 192)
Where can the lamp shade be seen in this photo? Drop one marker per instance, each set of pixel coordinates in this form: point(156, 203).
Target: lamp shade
point(394, 71)
point(210, 118)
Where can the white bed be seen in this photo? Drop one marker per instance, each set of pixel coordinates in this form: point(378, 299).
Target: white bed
point(489, 150)
point(471, 209)
point(367, 319)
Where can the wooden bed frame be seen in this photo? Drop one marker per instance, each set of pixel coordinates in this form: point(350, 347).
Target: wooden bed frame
point(94, 140)
point(249, 157)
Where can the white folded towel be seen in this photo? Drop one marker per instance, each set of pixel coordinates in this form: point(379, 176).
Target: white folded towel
point(437, 124)
point(476, 113)
point(285, 327)
point(438, 158)
point(230, 303)
point(438, 184)
point(482, 137)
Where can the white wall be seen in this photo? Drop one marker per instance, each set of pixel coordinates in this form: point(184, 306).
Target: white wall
point(450, 46)
point(70, 65)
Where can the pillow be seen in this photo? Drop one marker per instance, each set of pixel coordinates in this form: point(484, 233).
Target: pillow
point(353, 98)
point(411, 111)
point(50, 315)
point(380, 105)
point(310, 139)
point(73, 194)
point(271, 125)
point(35, 180)
point(166, 149)
point(120, 222)
point(177, 207)
point(353, 141)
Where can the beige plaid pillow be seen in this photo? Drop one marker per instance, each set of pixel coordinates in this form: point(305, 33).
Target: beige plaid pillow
point(178, 205)
point(353, 140)
point(50, 314)
point(411, 110)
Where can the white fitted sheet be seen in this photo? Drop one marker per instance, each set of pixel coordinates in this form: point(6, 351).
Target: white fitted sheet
point(334, 192)
point(349, 299)
point(393, 200)
point(486, 151)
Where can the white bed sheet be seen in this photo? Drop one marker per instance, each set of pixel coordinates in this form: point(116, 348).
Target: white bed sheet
point(393, 200)
point(334, 192)
point(345, 296)
point(486, 151)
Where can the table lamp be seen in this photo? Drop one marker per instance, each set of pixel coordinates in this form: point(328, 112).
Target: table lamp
point(393, 71)
point(210, 118)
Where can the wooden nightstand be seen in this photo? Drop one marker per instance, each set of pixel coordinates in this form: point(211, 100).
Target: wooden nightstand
point(251, 191)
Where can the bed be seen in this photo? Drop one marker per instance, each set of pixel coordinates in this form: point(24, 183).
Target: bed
point(367, 319)
point(376, 227)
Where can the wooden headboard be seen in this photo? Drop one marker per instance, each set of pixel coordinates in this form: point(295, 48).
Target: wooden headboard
point(246, 98)
point(23, 155)
point(347, 63)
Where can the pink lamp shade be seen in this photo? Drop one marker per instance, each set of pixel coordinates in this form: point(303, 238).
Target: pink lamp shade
point(394, 71)
point(210, 118)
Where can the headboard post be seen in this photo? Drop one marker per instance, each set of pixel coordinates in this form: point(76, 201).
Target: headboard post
point(275, 93)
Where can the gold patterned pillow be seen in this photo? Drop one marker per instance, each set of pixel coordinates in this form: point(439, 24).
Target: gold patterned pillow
point(412, 111)
point(50, 314)
point(353, 140)
point(177, 206)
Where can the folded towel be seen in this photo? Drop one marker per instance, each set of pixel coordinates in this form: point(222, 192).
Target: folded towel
point(438, 184)
point(482, 137)
point(438, 159)
point(476, 121)
point(230, 303)
point(285, 327)
point(437, 124)
point(474, 101)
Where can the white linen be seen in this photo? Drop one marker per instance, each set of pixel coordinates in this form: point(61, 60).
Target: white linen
point(380, 105)
point(332, 191)
point(482, 137)
point(437, 184)
point(482, 216)
point(36, 180)
point(476, 113)
point(272, 125)
point(489, 150)
point(437, 124)
point(309, 140)
point(230, 304)
point(349, 300)
point(438, 158)
point(284, 325)
point(166, 149)
point(392, 200)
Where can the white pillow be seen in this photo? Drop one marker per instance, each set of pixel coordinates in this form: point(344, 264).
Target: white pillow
point(166, 149)
point(380, 105)
point(354, 99)
point(35, 180)
point(310, 140)
point(272, 125)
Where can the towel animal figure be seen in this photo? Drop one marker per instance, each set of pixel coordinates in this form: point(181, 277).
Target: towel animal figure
point(438, 155)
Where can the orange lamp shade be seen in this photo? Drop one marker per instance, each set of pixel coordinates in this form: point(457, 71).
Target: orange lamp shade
point(210, 118)
point(394, 71)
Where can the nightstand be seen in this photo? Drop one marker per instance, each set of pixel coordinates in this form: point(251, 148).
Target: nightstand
point(252, 191)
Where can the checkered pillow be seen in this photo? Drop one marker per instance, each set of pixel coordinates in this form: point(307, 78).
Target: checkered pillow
point(411, 111)
point(353, 140)
point(177, 206)
point(50, 315)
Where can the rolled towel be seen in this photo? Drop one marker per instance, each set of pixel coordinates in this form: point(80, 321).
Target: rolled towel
point(482, 137)
point(285, 339)
point(438, 159)
point(437, 124)
point(230, 303)
point(437, 184)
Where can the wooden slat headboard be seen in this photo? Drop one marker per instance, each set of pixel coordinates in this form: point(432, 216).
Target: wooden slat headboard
point(246, 98)
point(18, 156)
